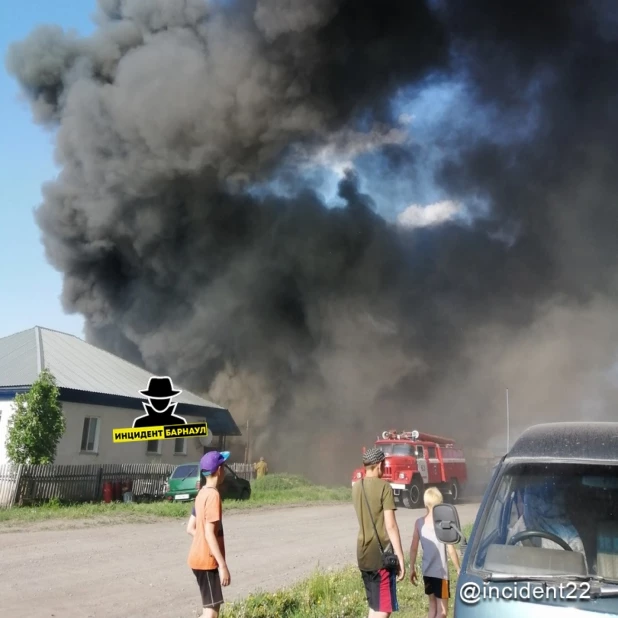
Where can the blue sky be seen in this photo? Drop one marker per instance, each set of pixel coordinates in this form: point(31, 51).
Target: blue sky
point(31, 286)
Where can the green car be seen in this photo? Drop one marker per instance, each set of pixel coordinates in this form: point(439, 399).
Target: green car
point(184, 483)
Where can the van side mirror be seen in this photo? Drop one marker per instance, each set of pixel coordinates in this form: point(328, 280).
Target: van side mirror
point(446, 524)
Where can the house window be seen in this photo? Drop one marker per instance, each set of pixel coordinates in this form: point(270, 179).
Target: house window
point(90, 435)
point(180, 446)
point(153, 447)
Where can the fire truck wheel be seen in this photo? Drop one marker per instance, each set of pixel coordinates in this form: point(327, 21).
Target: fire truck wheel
point(413, 497)
point(455, 492)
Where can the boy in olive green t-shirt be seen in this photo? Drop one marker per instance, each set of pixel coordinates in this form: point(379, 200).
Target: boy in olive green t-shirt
point(380, 584)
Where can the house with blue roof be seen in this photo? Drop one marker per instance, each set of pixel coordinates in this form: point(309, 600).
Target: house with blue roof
point(100, 392)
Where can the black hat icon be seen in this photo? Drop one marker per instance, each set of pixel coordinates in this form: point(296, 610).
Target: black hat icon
point(160, 388)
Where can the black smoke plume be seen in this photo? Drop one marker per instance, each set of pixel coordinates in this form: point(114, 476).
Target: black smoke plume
point(322, 324)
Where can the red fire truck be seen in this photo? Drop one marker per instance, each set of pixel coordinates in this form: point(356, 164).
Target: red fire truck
point(415, 461)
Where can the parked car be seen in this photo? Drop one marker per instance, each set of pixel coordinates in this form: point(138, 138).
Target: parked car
point(184, 483)
point(545, 540)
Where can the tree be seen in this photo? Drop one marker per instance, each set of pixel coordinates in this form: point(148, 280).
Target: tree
point(37, 424)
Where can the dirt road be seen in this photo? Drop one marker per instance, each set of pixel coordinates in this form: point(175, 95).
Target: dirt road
point(136, 570)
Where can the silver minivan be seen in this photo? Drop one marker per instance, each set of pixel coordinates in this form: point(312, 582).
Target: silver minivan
point(545, 540)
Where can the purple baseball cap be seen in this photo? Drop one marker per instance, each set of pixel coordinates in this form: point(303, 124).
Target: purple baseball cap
point(212, 460)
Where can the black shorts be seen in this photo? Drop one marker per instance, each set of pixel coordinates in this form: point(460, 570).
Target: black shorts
point(381, 589)
point(436, 586)
point(210, 587)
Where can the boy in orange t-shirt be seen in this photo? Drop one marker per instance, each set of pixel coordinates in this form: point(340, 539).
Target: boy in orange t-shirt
point(207, 553)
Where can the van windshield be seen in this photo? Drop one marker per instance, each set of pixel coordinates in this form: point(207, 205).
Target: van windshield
point(551, 519)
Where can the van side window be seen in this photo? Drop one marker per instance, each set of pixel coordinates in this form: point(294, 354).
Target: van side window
point(419, 452)
point(431, 452)
point(491, 531)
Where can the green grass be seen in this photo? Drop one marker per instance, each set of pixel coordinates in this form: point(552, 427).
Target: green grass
point(290, 489)
point(272, 490)
point(338, 594)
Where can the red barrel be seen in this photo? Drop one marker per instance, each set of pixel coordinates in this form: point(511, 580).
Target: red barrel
point(107, 492)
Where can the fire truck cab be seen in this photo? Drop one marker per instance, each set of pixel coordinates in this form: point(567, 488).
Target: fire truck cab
point(416, 461)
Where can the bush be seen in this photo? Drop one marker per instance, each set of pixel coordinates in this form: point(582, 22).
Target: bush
point(290, 488)
point(37, 423)
point(279, 482)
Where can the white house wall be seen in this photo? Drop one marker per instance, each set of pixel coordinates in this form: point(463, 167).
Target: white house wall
point(110, 418)
point(6, 411)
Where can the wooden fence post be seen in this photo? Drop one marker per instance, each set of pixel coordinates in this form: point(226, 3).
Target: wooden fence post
point(99, 485)
point(17, 484)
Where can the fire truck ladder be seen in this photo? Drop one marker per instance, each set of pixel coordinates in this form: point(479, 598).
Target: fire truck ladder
point(416, 435)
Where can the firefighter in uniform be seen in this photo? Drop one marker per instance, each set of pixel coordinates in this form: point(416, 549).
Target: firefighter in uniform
point(260, 468)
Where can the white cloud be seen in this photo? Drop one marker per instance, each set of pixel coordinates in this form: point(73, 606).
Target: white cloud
point(432, 214)
point(344, 146)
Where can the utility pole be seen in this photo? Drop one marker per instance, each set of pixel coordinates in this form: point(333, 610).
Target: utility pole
point(247, 445)
point(508, 422)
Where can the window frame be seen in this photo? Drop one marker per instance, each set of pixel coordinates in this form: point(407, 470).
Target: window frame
point(183, 452)
point(159, 448)
point(97, 434)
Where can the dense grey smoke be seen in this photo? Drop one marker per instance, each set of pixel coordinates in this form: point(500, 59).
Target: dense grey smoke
point(178, 119)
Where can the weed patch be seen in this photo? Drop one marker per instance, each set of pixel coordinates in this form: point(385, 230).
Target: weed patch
point(336, 594)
